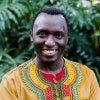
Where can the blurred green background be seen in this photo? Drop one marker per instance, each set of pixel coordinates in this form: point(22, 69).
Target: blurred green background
point(84, 37)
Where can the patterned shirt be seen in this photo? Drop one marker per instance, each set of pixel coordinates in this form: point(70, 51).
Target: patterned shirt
point(26, 82)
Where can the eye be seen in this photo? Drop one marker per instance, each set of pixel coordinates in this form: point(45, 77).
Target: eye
point(59, 35)
point(42, 34)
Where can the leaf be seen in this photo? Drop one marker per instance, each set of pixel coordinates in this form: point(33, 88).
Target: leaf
point(10, 11)
point(2, 23)
point(11, 16)
point(7, 21)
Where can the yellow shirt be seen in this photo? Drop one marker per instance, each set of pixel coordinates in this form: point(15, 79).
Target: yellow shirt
point(26, 83)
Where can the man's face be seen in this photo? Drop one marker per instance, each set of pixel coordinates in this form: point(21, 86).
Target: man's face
point(49, 37)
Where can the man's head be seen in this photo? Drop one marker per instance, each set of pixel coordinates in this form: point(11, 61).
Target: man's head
point(49, 34)
point(50, 11)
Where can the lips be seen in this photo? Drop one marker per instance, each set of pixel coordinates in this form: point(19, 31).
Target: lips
point(50, 52)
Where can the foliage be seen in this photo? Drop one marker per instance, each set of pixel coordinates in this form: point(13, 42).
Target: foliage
point(84, 36)
point(10, 10)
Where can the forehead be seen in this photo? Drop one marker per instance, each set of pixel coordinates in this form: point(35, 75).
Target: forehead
point(50, 21)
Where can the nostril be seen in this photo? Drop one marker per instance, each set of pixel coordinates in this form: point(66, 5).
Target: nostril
point(50, 43)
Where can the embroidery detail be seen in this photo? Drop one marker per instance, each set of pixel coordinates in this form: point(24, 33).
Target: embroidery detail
point(33, 76)
point(29, 84)
point(48, 94)
point(77, 82)
point(66, 90)
point(50, 84)
point(83, 79)
point(71, 73)
point(67, 87)
point(58, 93)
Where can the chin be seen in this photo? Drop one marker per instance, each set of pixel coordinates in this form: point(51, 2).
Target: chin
point(49, 60)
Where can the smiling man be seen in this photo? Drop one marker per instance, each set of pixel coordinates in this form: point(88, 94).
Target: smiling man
point(49, 76)
point(49, 36)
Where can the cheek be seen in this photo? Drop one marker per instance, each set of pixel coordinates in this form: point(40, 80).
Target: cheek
point(38, 40)
point(38, 43)
point(62, 43)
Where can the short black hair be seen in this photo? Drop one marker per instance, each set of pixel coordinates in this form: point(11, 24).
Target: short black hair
point(50, 11)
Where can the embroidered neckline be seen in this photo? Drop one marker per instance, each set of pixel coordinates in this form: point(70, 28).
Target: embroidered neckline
point(34, 74)
point(50, 77)
point(34, 81)
point(39, 73)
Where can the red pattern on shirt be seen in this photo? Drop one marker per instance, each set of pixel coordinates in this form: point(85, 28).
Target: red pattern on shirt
point(50, 77)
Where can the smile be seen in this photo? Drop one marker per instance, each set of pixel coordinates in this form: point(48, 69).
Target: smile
point(50, 52)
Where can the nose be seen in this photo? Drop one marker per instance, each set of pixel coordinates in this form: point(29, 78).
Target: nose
point(50, 42)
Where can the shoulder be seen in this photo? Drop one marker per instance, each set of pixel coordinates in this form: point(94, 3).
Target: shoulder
point(80, 66)
point(82, 70)
point(14, 73)
point(82, 73)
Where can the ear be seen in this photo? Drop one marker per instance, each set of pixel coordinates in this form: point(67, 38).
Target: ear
point(31, 35)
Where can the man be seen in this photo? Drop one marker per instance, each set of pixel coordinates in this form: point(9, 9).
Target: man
point(49, 76)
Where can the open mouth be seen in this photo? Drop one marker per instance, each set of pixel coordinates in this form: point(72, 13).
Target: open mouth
point(50, 52)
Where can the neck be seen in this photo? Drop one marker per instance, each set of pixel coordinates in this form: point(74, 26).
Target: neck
point(49, 67)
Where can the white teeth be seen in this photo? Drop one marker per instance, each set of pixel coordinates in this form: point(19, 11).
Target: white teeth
point(49, 51)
